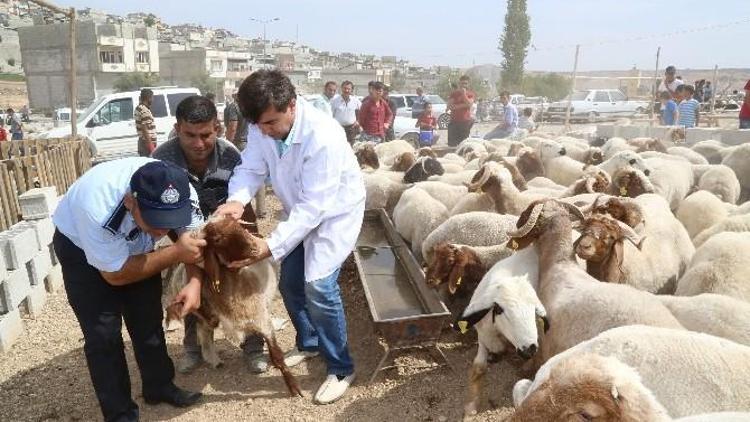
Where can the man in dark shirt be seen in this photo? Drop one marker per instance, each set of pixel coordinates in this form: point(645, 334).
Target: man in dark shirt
point(209, 161)
point(459, 103)
point(375, 116)
point(389, 133)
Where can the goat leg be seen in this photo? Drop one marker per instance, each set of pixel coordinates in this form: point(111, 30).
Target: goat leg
point(476, 375)
point(277, 360)
point(206, 342)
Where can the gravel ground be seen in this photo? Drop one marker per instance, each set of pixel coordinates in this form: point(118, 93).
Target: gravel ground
point(44, 376)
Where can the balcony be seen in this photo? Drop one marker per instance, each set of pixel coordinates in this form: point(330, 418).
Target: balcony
point(111, 41)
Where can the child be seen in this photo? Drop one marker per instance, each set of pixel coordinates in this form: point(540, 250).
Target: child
point(3, 132)
point(526, 121)
point(689, 108)
point(426, 124)
point(668, 109)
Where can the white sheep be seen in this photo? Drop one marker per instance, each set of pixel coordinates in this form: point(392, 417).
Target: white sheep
point(719, 180)
point(472, 229)
point(458, 179)
point(642, 373)
point(672, 179)
point(624, 159)
point(738, 159)
point(416, 215)
point(733, 223)
point(688, 154)
point(382, 191)
point(711, 150)
point(545, 183)
point(446, 193)
point(715, 314)
point(389, 151)
point(701, 210)
point(720, 265)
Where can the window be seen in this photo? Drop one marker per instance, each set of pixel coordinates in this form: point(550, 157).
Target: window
point(601, 97)
point(142, 57)
point(216, 65)
point(617, 96)
point(398, 100)
point(175, 99)
point(410, 100)
point(580, 96)
point(115, 111)
point(159, 106)
point(111, 56)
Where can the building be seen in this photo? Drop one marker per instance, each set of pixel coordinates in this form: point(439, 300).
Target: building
point(105, 53)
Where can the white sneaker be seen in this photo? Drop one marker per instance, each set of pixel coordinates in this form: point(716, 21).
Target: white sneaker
point(295, 356)
point(333, 389)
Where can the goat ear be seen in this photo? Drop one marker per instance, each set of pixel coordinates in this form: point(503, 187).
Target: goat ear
point(457, 272)
point(541, 316)
point(614, 262)
point(464, 323)
point(211, 267)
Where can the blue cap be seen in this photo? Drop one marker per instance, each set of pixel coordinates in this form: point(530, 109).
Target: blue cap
point(163, 193)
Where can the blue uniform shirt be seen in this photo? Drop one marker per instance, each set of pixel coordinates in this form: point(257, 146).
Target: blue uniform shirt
point(93, 216)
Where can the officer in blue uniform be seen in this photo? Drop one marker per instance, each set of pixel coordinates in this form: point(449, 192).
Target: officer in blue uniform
point(107, 224)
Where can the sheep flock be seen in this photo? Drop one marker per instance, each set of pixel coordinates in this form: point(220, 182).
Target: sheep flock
point(617, 269)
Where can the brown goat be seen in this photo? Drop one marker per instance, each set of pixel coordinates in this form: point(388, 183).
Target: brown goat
point(630, 182)
point(601, 245)
point(367, 157)
point(626, 211)
point(643, 145)
point(593, 157)
point(239, 299)
point(529, 164)
point(455, 271)
point(426, 152)
point(597, 181)
point(403, 162)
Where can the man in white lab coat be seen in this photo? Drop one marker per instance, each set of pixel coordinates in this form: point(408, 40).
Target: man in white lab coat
point(317, 179)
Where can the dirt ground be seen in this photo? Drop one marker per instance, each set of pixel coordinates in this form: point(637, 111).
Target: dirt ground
point(44, 376)
point(13, 94)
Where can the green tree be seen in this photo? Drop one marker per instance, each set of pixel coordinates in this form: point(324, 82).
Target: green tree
point(444, 86)
point(149, 21)
point(205, 83)
point(398, 81)
point(514, 43)
point(551, 85)
point(135, 81)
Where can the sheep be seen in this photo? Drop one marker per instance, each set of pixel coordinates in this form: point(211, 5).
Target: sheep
point(239, 300)
point(382, 191)
point(733, 223)
point(389, 151)
point(630, 182)
point(624, 159)
point(638, 373)
point(579, 150)
point(472, 229)
point(403, 162)
point(710, 150)
point(423, 168)
point(717, 417)
point(652, 260)
point(543, 182)
point(614, 145)
point(366, 155)
point(719, 180)
point(447, 194)
point(499, 192)
point(504, 310)
point(458, 179)
point(714, 314)
point(578, 306)
point(719, 266)
point(452, 156)
point(415, 216)
point(738, 159)
point(700, 211)
point(687, 153)
point(672, 179)
point(453, 168)
point(426, 152)
point(593, 180)
point(529, 163)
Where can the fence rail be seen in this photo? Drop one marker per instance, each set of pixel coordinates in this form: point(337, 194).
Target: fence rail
point(25, 165)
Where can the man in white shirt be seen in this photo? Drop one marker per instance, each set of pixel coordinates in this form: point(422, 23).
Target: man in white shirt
point(346, 111)
point(323, 103)
point(670, 82)
point(319, 184)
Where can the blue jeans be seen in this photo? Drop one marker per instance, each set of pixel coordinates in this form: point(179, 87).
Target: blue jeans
point(744, 123)
point(317, 313)
point(498, 132)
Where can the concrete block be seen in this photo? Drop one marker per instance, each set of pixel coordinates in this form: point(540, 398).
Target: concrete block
point(14, 290)
point(54, 280)
point(697, 134)
point(11, 328)
point(38, 203)
point(605, 131)
point(52, 254)
point(18, 244)
point(658, 132)
point(39, 267)
point(3, 268)
point(735, 136)
point(34, 303)
point(44, 229)
point(630, 132)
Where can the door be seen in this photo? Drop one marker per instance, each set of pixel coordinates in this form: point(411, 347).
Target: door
point(619, 103)
point(602, 104)
point(164, 124)
point(112, 127)
point(401, 109)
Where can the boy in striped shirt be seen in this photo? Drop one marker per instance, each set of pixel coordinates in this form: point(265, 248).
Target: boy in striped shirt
point(689, 108)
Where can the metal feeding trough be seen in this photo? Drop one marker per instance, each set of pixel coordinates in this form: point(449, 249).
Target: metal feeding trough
point(406, 313)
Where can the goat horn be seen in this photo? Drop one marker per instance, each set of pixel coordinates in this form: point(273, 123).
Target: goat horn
point(484, 175)
point(247, 223)
point(573, 210)
point(630, 234)
point(590, 184)
point(645, 181)
point(530, 223)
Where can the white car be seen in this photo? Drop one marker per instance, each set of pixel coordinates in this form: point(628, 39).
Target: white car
point(109, 126)
point(404, 103)
point(594, 104)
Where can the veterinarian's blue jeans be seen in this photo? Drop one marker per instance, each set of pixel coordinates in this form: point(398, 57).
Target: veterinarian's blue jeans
point(317, 313)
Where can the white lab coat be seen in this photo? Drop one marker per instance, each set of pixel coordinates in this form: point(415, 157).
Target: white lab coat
point(319, 184)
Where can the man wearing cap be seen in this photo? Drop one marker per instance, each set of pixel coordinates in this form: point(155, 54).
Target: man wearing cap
point(317, 179)
point(107, 224)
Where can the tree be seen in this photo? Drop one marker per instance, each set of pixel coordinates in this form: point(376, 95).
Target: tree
point(444, 86)
point(149, 21)
point(398, 81)
point(205, 83)
point(135, 81)
point(514, 43)
point(551, 85)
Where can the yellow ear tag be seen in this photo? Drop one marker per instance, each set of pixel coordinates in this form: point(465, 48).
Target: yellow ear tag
point(623, 191)
point(458, 282)
point(513, 244)
point(216, 286)
point(539, 324)
point(463, 326)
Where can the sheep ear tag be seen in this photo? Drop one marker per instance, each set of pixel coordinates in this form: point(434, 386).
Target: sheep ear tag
point(513, 244)
point(623, 191)
point(463, 326)
point(470, 320)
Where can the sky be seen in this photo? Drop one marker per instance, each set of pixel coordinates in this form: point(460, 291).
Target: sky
point(441, 32)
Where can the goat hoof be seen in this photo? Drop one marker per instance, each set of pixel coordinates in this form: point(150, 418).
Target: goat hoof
point(215, 363)
point(470, 410)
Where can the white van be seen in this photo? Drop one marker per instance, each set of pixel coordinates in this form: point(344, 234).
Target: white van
point(109, 126)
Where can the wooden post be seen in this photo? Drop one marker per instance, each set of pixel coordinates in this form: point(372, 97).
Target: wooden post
point(73, 72)
point(655, 89)
point(716, 86)
point(572, 89)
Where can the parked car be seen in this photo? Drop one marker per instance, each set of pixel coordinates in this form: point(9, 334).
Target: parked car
point(594, 104)
point(61, 116)
point(405, 102)
point(109, 126)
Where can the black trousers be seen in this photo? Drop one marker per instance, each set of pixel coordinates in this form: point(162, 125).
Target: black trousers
point(351, 133)
point(100, 309)
point(458, 131)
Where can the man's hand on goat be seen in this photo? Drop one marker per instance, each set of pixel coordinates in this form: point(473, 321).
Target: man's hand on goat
point(263, 253)
point(189, 297)
point(231, 209)
point(189, 247)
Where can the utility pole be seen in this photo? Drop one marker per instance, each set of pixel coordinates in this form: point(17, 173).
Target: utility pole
point(264, 22)
point(655, 88)
point(572, 89)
